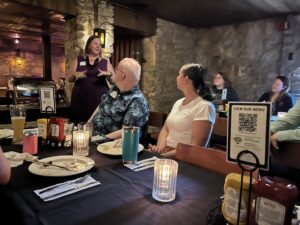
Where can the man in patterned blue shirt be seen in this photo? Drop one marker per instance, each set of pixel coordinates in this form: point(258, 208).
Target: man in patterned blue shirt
point(124, 104)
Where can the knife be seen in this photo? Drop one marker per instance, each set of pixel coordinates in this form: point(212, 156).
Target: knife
point(70, 190)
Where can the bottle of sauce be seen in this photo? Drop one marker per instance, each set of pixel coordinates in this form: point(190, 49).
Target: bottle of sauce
point(42, 131)
point(274, 203)
point(231, 198)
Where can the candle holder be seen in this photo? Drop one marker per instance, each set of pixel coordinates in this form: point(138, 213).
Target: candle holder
point(80, 143)
point(164, 181)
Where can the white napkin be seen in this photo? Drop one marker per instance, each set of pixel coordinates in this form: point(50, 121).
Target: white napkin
point(62, 189)
point(142, 164)
point(98, 138)
point(16, 159)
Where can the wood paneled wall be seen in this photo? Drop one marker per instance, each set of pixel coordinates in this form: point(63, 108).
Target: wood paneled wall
point(130, 48)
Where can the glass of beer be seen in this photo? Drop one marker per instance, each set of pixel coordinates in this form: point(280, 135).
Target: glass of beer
point(17, 115)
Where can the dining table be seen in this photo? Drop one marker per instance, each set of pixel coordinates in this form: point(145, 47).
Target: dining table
point(123, 197)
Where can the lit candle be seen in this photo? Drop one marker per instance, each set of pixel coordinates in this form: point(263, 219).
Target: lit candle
point(164, 181)
point(80, 143)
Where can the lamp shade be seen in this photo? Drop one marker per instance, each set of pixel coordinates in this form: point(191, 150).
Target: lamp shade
point(101, 33)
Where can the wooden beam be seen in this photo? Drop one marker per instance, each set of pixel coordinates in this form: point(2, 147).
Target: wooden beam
point(143, 24)
point(65, 6)
point(46, 55)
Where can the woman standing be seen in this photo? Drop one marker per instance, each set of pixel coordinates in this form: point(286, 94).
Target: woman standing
point(222, 92)
point(192, 117)
point(281, 100)
point(89, 73)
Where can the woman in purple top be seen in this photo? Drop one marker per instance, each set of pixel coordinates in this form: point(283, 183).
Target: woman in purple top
point(89, 73)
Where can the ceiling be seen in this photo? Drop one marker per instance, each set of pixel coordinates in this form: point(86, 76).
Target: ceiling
point(203, 13)
point(27, 22)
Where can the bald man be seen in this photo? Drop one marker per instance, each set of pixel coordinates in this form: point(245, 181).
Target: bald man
point(124, 104)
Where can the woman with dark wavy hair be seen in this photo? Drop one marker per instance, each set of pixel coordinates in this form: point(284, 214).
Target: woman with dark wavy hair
point(279, 96)
point(192, 117)
point(222, 91)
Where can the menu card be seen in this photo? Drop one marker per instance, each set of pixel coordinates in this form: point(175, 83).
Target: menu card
point(249, 129)
point(47, 99)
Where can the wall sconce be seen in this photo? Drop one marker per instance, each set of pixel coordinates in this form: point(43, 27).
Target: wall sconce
point(101, 33)
point(18, 59)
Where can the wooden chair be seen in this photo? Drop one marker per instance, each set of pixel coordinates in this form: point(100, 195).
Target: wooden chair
point(208, 158)
point(156, 120)
point(288, 153)
point(219, 134)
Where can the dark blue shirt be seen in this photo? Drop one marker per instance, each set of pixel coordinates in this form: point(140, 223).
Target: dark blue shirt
point(118, 108)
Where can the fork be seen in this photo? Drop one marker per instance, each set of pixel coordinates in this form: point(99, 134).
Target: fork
point(50, 163)
point(77, 181)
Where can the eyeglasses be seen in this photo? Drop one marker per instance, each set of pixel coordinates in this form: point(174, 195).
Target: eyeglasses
point(116, 69)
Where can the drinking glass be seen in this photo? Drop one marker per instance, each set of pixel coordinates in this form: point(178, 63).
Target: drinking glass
point(17, 115)
point(68, 129)
point(80, 143)
point(130, 144)
point(86, 126)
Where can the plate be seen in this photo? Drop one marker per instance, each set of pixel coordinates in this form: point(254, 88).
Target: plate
point(81, 163)
point(113, 148)
point(6, 133)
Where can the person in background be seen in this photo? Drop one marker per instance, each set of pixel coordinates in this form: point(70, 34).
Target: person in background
point(124, 104)
point(287, 127)
point(278, 96)
point(89, 73)
point(222, 91)
point(192, 117)
point(5, 169)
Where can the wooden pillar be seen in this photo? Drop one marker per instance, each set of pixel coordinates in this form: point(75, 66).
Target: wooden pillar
point(46, 55)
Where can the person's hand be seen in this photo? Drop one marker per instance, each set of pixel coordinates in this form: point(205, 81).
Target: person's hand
point(80, 75)
point(104, 73)
point(274, 141)
point(153, 148)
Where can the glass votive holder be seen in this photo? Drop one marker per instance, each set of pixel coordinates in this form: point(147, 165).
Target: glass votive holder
point(164, 181)
point(86, 126)
point(80, 143)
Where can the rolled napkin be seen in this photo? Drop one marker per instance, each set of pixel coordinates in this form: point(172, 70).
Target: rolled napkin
point(142, 164)
point(16, 159)
point(69, 187)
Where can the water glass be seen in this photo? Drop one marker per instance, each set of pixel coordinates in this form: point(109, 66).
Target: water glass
point(68, 130)
point(17, 115)
point(164, 181)
point(130, 144)
point(80, 143)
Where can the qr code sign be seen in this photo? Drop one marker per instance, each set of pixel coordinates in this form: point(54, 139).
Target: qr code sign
point(247, 122)
point(47, 94)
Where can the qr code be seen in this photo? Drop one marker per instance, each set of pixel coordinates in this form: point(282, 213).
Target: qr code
point(247, 122)
point(47, 94)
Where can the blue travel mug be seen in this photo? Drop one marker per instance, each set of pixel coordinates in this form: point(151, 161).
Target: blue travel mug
point(130, 144)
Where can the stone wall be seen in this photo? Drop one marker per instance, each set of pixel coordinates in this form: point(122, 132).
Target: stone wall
point(291, 52)
point(173, 46)
point(250, 53)
point(31, 65)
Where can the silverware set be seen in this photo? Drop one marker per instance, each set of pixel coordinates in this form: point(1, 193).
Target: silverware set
point(143, 164)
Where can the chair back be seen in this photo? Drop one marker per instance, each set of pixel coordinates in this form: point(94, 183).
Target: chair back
point(288, 153)
point(208, 158)
point(220, 127)
point(157, 119)
point(219, 134)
